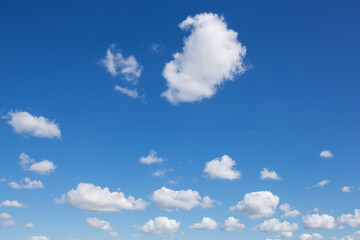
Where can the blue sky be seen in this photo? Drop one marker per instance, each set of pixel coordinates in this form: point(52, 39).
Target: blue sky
point(93, 87)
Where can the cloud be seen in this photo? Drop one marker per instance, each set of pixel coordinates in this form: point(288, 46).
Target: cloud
point(326, 154)
point(205, 224)
point(211, 55)
point(314, 236)
point(155, 47)
point(286, 208)
point(257, 204)
point(44, 167)
point(39, 238)
point(207, 202)
point(321, 184)
point(317, 221)
point(116, 64)
point(346, 189)
point(349, 219)
point(232, 225)
point(6, 220)
point(151, 158)
point(29, 225)
point(133, 93)
point(266, 174)
point(160, 173)
point(285, 235)
point(161, 226)
point(29, 125)
point(98, 223)
point(274, 225)
point(28, 184)
point(222, 168)
point(354, 236)
point(14, 204)
point(113, 234)
point(91, 198)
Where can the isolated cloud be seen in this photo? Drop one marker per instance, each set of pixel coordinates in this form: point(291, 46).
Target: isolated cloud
point(98, 223)
point(205, 224)
point(274, 225)
point(27, 183)
point(44, 167)
point(29, 125)
point(211, 55)
point(257, 204)
point(160, 173)
point(322, 183)
point(349, 219)
point(232, 225)
point(286, 208)
point(314, 236)
point(13, 203)
point(151, 158)
point(207, 202)
point(161, 226)
point(39, 238)
point(326, 154)
point(222, 168)
point(317, 221)
point(29, 225)
point(133, 93)
point(346, 189)
point(266, 174)
point(91, 198)
point(6, 220)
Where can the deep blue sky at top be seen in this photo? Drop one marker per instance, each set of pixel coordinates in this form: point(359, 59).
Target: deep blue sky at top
point(299, 97)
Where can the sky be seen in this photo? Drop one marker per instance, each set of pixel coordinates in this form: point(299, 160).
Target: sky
point(184, 120)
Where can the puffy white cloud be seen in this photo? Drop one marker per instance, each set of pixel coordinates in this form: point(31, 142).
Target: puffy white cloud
point(274, 225)
point(314, 236)
point(91, 198)
point(6, 220)
point(133, 93)
point(285, 235)
point(13, 203)
point(322, 183)
point(205, 224)
point(349, 219)
point(27, 124)
point(39, 238)
point(29, 225)
point(354, 236)
point(317, 221)
point(346, 189)
point(161, 226)
point(44, 167)
point(326, 154)
point(271, 175)
point(257, 204)
point(151, 158)
point(222, 168)
point(28, 184)
point(98, 223)
point(286, 208)
point(113, 234)
point(207, 202)
point(232, 225)
point(211, 55)
point(116, 64)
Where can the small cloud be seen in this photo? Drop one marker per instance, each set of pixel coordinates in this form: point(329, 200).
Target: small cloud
point(205, 224)
point(155, 47)
point(133, 93)
point(161, 173)
point(151, 158)
point(44, 167)
point(267, 174)
point(27, 183)
point(346, 189)
point(6, 220)
point(14, 204)
point(326, 154)
point(29, 225)
point(222, 168)
point(321, 184)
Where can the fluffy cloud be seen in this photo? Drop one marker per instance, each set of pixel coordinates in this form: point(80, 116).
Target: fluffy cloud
point(44, 167)
point(346, 189)
point(354, 236)
point(39, 238)
point(161, 226)
point(271, 175)
point(98, 223)
point(326, 154)
point(314, 236)
point(286, 208)
point(116, 64)
point(27, 124)
point(207, 202)
point(211, 55)
point(317, 221)
point(257, 204)
point(322, 183)
point(222, 168)
point(6, 220)
point(285, 235)
point(151, 158)
point(14, 204)
point(29, 225)
point(232, 225)
point(205, 224)
point(349, 219)
point(27, 184)
point(274, 225)
point(92, 198)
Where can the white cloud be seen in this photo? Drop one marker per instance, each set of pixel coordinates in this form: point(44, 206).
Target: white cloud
point(29, 225)
point(98, 223)
point(113, 234)
point(207, 202)
point(205, 224)
point(133, 93)
point(44, 167)
point(27, 124)
point(285, 235)
point(116, 64)
point(91, 198)
point(13, 203)
point(314, 236)
point(6, 220)
point(161, 226)
point(317, 221)
point(151, 158)
point(211, 55)
point(28, 184)
point(232, 225)
point(222, 168)
point(349, 219)
point(257, 204)
point(354, 236)
point(39, 238)
point(160, 173)
point(322, 183)
point(326, 154)
point(286, 208)
point(274, 225)
point(266, 174)
point(346, 189)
